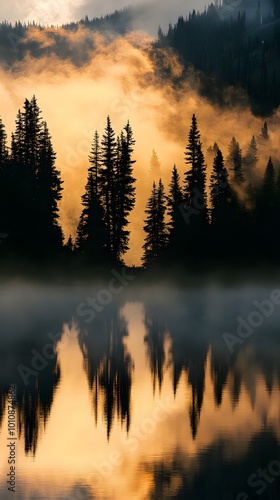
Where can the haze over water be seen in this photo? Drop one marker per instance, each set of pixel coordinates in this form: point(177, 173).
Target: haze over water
point(145, 401)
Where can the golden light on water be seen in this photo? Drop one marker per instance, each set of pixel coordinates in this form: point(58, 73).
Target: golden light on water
point(73, 451)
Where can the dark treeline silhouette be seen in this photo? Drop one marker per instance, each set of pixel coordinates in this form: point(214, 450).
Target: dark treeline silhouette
point(15, 43)
point(31, 187)
point(230, 47)
point(109, 197)
point(231, 219)
point(234, 222)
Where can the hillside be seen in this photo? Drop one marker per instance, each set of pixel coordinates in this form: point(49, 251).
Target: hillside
point(235, 51)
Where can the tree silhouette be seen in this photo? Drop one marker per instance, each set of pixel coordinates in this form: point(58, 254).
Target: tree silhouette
point(220, 192)
point(36, 185)
point(155, 227)
point(264, 132)
point(49, 188)
point(234, 161)
point(155, 166)
point(250, 161)
point(265, 213)
point(117, 191)
point(95, 161)
point(124, 191)
point(92, 234)
point(251, 156)
point(174, 198)
point(107, 180)
point(195, 178)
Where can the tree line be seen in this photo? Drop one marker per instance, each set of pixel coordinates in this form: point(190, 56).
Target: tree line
point(31, 188)
point(235, 51)
point(234, 219)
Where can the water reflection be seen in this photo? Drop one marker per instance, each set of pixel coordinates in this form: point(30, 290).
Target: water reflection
point(109, 366)
point(146, 401)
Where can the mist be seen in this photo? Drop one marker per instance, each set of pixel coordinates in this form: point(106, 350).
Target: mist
point(119, 79)
point(148, 14)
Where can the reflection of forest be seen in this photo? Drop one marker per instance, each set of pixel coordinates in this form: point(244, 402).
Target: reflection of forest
point(195, 331)
point(109, 366)
point(35, 377)
point(179, 336)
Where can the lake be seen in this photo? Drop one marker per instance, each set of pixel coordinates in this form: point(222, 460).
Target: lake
point(140, 393)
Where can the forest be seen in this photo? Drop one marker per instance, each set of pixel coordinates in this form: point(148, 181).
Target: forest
point(230, 219)
point(236, 47)
point(241, 50)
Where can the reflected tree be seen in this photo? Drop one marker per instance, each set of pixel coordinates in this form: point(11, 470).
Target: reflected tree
point(109, 367)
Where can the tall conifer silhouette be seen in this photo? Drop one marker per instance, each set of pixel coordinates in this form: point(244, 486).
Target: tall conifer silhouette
point(155, 227)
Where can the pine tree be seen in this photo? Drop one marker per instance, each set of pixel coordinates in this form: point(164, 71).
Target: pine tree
point(36, 186)
point(230, 221)
point(3, 146)
point(95, 161)
point(234, 161)
point(150, 229)
point(212, 151)
point(92, 236)
point(161, 226)
point(251, 156)
point(220, 192)
point(25, 153)
point(107, 181)
point(264, 132)
point(268, 187)
point(33, 127)
point(250, 163)
point(155, 228)
point(195, 178)
point(92, 233)
point(174, 198)
point(49, 192)
point(124, 190)
point(155, 166)
point(265, 214)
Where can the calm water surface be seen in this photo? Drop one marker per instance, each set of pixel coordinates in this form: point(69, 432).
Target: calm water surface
point(143, 399)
